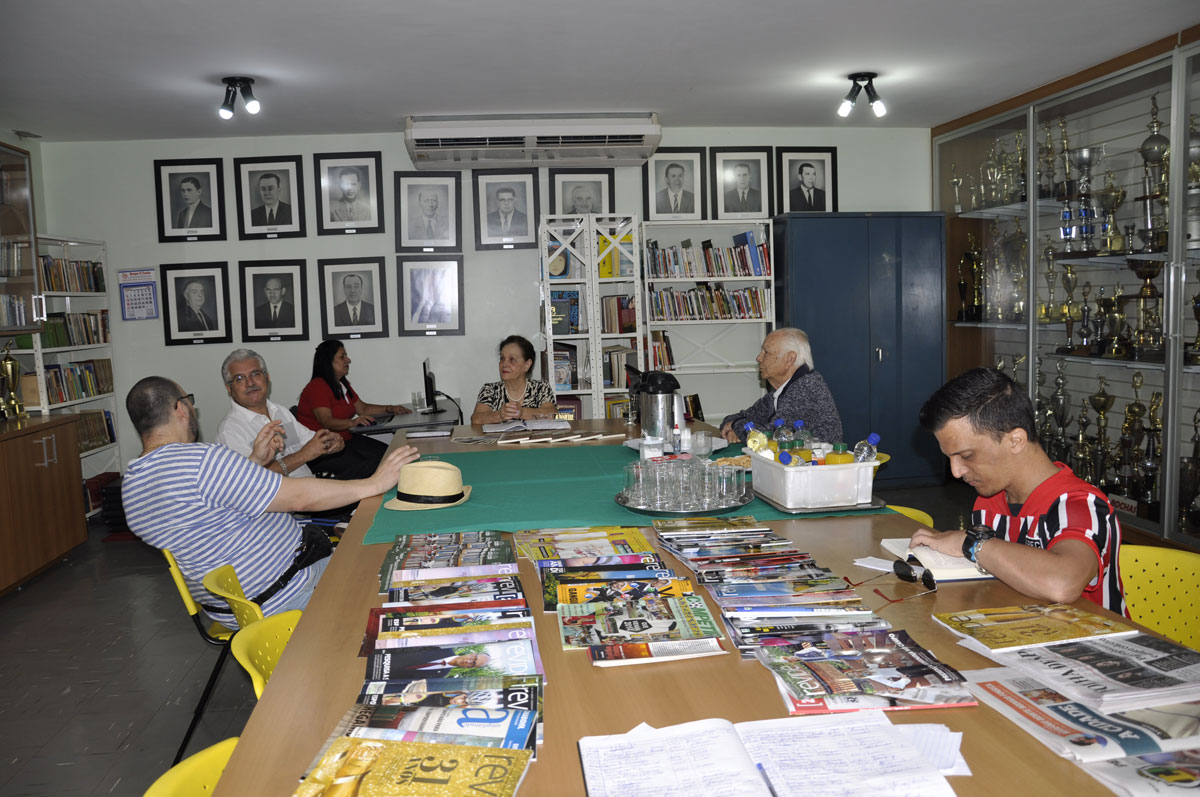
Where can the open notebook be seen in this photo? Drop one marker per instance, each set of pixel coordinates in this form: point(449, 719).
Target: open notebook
point(943, 567)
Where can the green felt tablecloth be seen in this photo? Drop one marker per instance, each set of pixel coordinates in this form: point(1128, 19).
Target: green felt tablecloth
point(538, 488)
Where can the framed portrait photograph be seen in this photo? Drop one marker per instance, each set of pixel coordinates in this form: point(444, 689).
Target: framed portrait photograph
point(349, 195)
point(353, 298)
point(430, 295)
point(191, 199)
point(274, 300)
point(581, 191)
point(742, 184)
point(674, 185)
point(506, 208)
point(427, 211)
point(270, 197)
point(807, 179)
point(195, 305)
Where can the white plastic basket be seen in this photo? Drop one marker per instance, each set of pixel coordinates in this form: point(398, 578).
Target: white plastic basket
point(812, 486)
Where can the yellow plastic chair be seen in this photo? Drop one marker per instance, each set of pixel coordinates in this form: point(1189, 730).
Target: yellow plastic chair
point(214, 634)
point(259, 646)
point(915, 514)
point(1162, 590)
point(223, 582)
point(196, 776)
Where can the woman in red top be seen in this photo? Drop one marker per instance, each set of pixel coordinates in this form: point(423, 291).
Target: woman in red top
point(329, 402)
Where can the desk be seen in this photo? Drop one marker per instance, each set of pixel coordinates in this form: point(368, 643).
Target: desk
point(448, 414)
point(320, 675)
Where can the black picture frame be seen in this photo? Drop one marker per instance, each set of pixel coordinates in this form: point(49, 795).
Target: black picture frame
point(252, 177)
point(656, 206)
point(178, 180)
point(490, 187)
point(181, 328)
point(430, 295)
point(285, 282)
point(726, 165)
point(599, 183)
point(437, 194)
point(788, 162)
point(332, 287)
point(335, 216)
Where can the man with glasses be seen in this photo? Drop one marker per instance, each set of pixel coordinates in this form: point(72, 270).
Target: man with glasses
point(1035, 525)
point(797, 391)
point(245, 375)
point(210, 506)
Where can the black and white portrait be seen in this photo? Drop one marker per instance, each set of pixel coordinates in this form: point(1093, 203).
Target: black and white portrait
point(353, 298)
point(581, 191)
point(348, 197)
point(674, 184)
point(741, 182)
point(506, 208)
point(807, 179)
point(274, 300)
point(427, 218)
point(270, 197)
point(191, 196)
point(196, 305)
point(431, 295)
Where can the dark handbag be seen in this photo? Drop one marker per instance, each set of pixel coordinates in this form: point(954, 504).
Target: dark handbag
point(314, 546)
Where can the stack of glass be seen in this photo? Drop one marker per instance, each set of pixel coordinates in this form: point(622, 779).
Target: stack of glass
point(694, 484)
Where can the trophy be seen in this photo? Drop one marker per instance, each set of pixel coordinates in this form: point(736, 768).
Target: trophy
point(1067, 186)
point(1060, 407)
point(1020, 192)
point(1101, 402)
point(1154, 150)
point(972, 192)
point(989, 179)
point(1046, 165)
point(1189, 476)
point(976, 262)
point(1085, 330)
point(1081, 456)
point(963, 313)
point(1111, 320)
point(11, 396)
point(1111, 198)
point(1192, 216)
point(1018, 360)
point(1069, 280)
point(955, 183)
point(1133, 424)
point(1147, 338)
point(1084, 159)
point(1148, 505)
point(1048, 313)
point(1192, 353)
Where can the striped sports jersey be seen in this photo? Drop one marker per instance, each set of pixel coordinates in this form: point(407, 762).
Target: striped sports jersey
point(207, 505)
point(1064, 507)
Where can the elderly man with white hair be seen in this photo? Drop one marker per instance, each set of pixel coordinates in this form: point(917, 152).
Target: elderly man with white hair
point(797, 391)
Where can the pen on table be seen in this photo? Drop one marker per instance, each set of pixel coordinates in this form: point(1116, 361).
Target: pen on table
point(763, 771)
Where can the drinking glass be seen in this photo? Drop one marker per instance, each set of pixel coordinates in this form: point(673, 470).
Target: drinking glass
point(635, 490)
point(701, 445)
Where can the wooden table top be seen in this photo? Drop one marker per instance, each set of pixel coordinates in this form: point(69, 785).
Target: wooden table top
point(320, 673)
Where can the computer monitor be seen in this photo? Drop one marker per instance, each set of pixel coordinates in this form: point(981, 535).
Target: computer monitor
point(431, 405)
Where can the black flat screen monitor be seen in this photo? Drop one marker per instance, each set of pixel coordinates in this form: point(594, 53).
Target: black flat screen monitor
point(431, 405)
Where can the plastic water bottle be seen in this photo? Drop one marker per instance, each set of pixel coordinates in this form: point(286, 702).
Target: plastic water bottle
point(677, 441)
point(783, 437)
point(787, 459)
point(755, 439)
point(865, 450)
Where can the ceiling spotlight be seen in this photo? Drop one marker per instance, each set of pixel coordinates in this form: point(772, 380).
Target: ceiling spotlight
point(232, 86)
point(859, 81)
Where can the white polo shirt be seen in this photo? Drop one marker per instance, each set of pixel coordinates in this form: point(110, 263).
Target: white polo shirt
point(239, 428)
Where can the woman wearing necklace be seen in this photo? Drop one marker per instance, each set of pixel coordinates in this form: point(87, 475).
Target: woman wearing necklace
point(515, 396)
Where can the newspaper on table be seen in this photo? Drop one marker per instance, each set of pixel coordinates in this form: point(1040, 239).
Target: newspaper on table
point(1157, 773)
point(1113, 674)
point(1073, 730)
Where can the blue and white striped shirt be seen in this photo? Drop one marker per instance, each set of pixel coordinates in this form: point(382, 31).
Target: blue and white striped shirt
point(207, 505)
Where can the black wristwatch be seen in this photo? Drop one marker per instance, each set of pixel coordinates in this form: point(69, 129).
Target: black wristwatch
point(975, 536)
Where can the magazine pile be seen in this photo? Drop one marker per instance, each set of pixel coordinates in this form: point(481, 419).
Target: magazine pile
point(828, 651)
point(614, 598)
point(453, 677)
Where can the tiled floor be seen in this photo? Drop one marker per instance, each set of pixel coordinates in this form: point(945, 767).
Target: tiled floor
point(100, 668)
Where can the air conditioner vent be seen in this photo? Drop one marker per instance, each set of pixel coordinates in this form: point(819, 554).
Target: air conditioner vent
point(594, 140)
point(480, 142)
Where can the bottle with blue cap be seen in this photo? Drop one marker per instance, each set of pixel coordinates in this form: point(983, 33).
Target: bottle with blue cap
point(782, 438)
point(802, 435)
point(865, 450)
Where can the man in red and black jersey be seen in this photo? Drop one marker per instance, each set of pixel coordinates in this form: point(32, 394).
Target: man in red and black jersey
point(1045, 532)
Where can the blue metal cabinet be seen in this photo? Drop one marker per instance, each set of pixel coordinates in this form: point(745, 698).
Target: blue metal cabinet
point(868, 288)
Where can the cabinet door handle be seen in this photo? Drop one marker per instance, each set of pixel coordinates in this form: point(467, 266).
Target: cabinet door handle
point(878, 354)
point(53, 457)
point(45, 463)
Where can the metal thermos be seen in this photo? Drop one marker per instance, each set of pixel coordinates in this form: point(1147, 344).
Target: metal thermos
point(660, 404)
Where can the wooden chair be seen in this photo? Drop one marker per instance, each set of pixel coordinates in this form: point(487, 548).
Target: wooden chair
point(214, 634)
point(223, 582)
point(915, 514)
point(1162, 590)
point(196, 776)
point(259, 646)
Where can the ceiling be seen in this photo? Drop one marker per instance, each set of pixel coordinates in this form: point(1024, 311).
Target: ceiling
point(151, 69)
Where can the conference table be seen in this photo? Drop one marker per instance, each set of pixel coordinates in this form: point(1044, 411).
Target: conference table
point(320, 673)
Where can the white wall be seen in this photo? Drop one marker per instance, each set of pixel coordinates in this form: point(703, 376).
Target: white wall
point(105, 190)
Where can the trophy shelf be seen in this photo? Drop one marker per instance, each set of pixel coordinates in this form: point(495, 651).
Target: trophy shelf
point(1020, 326)
point(1015, 210)
point(1136, 365)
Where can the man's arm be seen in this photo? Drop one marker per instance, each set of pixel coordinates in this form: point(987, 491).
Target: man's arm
point(321, 443)
point(759, 412)
point(311, 495)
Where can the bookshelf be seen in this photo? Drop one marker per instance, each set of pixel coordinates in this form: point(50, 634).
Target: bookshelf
point(67, 366)
point(591, 306)
point(710, 301)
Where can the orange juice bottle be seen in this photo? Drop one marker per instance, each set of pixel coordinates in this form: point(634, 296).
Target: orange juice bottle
point(839, 455)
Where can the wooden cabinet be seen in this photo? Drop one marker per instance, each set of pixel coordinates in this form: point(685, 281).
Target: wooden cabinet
point(41, 501)
point(868, 288)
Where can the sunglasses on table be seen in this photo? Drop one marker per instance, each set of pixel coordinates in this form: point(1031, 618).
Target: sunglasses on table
point(905, 572)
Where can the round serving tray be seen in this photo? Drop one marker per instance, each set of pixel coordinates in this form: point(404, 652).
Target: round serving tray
point(746, 499)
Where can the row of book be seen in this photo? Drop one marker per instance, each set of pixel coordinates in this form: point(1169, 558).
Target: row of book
point(14, 311)
point(618, 313)
point(746, 258)
point(60, 274)
point(11, 251)
point(69, 329)
point(564, 312)
point(662, 357)
point(708, 303)
point(96, 429)
point(615, 357)
point(453, 678)
point(613, 262)
point(69, 382)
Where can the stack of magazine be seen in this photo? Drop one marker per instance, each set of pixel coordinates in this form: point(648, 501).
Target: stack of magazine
point(452, 662)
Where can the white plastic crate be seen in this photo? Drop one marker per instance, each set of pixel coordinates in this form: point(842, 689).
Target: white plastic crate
point(812, 486)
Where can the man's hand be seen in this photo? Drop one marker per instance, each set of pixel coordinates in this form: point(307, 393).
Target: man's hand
point(947, 542)
point(267, 443)
point(728, 433)
point(321, 443)
point(388, 474)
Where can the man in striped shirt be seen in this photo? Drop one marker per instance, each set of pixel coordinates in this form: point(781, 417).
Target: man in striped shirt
point(210, 506)
point(1047, 533)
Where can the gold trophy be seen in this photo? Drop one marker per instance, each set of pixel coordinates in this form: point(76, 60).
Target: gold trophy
point(1046, 165)
point(1110, 198)
point(1135, 412)
point(11, 397)
point(955, 183)
point(1148, 335)
point(1154, 151)
point(1069, 280)
point(1048, 313)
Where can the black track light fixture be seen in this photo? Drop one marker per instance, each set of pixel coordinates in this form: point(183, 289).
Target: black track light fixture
point(859, 81)
point(232, 86)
